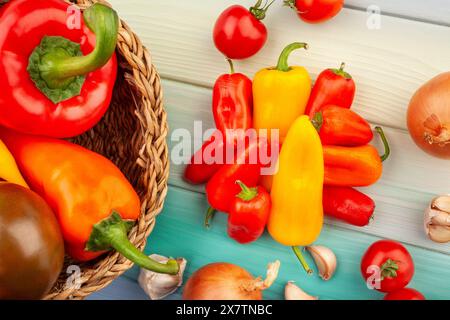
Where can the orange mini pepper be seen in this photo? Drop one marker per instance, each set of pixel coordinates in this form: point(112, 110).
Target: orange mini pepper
point(93, 201)
point(354, 166)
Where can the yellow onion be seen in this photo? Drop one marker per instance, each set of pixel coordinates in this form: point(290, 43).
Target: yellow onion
point(226, 281)
point(429, 116)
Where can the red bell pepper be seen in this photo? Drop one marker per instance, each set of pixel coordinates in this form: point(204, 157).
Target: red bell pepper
point(56, 80)
point(342, 127)
point(348, 204)
point(248, 214)
point(205, 162)
point(333, 86)
point(232, 104)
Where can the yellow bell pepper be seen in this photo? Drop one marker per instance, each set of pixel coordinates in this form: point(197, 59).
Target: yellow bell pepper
point(296, 215)
point(280, 94)
point(8, 167)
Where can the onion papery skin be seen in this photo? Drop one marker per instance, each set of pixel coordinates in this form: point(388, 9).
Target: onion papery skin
point(221, 281)
point(428, 116)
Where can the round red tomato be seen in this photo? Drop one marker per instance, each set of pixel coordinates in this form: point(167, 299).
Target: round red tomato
point(387, 266)
point(315, 11)
point(404, 294)
point(239, 34)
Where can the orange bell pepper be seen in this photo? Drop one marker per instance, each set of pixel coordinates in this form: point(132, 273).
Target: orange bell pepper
point(354, 166)
point(93, 201)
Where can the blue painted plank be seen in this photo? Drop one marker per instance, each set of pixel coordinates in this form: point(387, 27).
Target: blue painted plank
point(179, 232)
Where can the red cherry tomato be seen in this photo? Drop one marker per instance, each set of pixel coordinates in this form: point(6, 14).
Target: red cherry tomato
point(316, 11)
point(239, 32)
point(387, 266)
point(404, 294)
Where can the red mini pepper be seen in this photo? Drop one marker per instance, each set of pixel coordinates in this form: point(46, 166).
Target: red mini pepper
point(248, 214)
point(57, 76)
point(342, 127)
point(348, 204)
point(206, 161)
point(221, 189)
point(232, 104)
point(333, 86)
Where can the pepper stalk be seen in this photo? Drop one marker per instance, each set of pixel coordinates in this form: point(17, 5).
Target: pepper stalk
point(283, 59)
point(112, 233)
point(58, 67)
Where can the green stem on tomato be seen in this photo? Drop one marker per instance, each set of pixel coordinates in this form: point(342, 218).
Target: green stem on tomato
point(209, 215)
point(387, 149)
point(112, 233)
point(302, 260)
point(230, 62)
point(283, 60)
point(258, 12)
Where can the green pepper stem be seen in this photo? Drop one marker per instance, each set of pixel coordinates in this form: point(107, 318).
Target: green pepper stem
point(209, 215)
point(387, 149)
point(112, 233)
point(127, 249)
point(302, 260)
point(283, 60)
point(246, 194)
point(341, 72)
point(56, 67)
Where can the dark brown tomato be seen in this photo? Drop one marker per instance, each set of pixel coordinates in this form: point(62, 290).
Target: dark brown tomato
point(31, 245)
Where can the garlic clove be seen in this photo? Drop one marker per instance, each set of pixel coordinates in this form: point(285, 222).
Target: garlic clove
point(293, 292)
point(441, 203)
point(440, 234)
point(158, 286)
point(325, 260)
point(437, 219)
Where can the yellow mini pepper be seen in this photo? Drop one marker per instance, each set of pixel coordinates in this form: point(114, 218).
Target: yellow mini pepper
point(280, 94)
point(296, 216)
point(8, 167)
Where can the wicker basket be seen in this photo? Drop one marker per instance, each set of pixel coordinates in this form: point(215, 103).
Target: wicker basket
point(133, 135)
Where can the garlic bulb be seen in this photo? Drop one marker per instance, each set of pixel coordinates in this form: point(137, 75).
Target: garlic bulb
point(158, 286)
point(325, 260)
point(293, 292)
point(437, 219)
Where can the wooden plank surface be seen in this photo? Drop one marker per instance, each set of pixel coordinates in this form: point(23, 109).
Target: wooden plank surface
point(433, 11)
point(184, 212)
point(410, 178)
point(388, 65)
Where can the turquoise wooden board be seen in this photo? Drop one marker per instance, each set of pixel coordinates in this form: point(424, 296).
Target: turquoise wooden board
point(179, 232)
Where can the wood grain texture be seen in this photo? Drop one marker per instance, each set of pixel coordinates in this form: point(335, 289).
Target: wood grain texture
point(180, 232)
point(410, 178)
point(433, 11)
point(388, 64)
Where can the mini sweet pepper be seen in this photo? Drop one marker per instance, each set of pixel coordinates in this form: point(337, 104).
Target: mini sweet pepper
point(93, 201)
point(280, 94)
point(296, 216)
